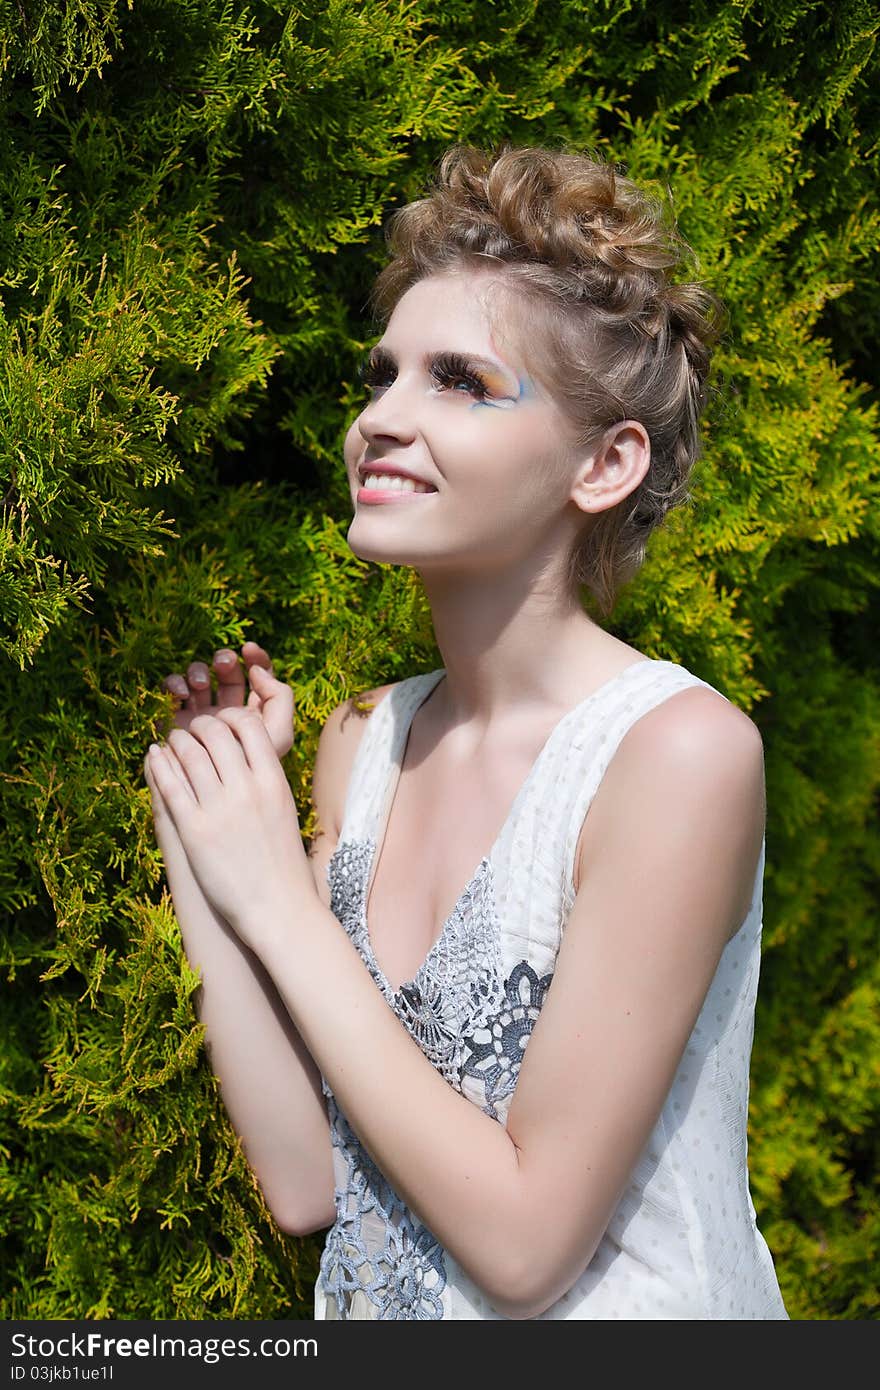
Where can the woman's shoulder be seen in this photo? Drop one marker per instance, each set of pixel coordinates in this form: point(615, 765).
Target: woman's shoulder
point(686, 720)
point(696, 711)
point(363, 702)
point(338, 743)
point(346, 723)
point(691, 753)
point(344, 728)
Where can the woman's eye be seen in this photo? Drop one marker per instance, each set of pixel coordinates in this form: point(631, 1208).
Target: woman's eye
point(461, 381)
point(374, 377)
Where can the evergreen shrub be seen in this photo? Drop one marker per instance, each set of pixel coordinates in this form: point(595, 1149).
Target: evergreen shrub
point(191, 201)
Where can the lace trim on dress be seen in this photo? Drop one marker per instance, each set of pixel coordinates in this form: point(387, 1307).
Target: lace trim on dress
point(473, 1026)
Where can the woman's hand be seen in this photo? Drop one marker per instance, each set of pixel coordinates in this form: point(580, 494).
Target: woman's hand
point(224, 788)
point(270, 698)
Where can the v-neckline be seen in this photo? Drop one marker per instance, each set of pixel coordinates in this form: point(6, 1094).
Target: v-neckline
point(389, 796)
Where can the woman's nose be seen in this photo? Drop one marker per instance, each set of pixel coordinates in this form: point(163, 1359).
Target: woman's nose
point(391, 414)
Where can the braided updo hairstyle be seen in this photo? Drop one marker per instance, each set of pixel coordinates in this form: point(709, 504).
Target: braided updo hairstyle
point(597, 262)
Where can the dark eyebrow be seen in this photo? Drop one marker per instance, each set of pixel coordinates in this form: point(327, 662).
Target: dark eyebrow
point(381, 357)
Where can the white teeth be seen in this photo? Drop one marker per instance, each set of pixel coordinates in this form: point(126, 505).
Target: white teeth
point(389, 482)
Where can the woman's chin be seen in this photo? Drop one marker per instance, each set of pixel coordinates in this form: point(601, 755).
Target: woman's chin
point(387, 554)
point(366, 542)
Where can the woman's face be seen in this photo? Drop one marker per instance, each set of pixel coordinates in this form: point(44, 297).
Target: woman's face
point(454, 407)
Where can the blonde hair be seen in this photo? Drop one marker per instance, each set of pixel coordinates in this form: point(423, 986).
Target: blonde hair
point(622, 336)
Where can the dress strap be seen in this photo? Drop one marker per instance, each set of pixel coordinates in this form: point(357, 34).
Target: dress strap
point(535, 860)
point(382, 743)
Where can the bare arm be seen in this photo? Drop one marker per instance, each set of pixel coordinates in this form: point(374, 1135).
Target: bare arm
point(665, 882)
point(269, 1082)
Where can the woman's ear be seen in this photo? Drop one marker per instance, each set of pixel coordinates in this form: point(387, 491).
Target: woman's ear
point(613, 468)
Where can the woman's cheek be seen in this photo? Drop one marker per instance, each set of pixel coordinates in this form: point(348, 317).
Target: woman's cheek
point(352, 446)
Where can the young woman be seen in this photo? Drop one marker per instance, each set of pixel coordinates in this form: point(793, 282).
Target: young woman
point(494, 1030)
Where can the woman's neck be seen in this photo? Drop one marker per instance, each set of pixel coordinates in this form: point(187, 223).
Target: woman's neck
point(504, 652)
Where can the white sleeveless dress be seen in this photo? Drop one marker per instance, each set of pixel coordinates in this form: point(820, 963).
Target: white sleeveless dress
point(683, 1241)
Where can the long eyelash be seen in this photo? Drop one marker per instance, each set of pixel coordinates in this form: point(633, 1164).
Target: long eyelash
point(371, 373)
point(448, 368)
point(451, 367)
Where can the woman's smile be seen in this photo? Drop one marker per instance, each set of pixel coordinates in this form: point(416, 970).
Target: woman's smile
point(378, 488)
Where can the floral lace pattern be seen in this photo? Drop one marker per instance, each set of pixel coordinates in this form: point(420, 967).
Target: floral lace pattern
point(404, 1276)
point(493, 1052)
point(473, 1026)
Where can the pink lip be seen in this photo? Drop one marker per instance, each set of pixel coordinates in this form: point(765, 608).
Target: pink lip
point(373, 495)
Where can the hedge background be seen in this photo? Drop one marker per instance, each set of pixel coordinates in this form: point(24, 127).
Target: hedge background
point(192, 198)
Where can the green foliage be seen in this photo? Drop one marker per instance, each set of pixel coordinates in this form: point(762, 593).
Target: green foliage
point(193, 193)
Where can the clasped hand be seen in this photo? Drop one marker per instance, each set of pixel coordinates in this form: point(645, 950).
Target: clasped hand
point(221, 782)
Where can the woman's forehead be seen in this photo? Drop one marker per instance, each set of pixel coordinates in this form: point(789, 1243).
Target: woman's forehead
point(474, 304)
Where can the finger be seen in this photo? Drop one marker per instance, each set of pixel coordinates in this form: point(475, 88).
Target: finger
point(176, 800)
point(276, 708)
point(221, 745)
point(176, 684)
point(230, 678)
point(253, 654)
point(199, 680)
point(160, 810)
point(179, 772)
point(162, 821)
point(253, 738)
point(196, 760)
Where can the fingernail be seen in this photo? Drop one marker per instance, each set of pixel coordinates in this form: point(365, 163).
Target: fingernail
point(225, 655)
